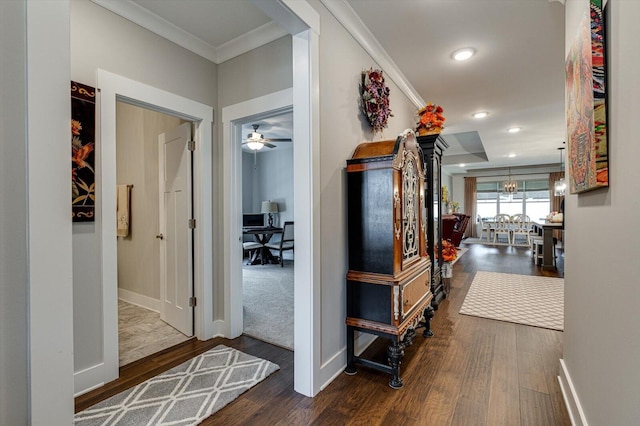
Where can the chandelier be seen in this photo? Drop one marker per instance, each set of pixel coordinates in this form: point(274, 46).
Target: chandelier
point(510, 186)
point(560, 186)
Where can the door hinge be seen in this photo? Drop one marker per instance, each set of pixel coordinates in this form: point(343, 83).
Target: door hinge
point(192, 302)
point(192, 224)
point(191, 146)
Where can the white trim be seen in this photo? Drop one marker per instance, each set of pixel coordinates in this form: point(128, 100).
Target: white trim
point(576, 413)
point(306, 133)
point(253, 39)
point(350, 20)
point(258, 108)
point(88, 379)
point(306, 189)
point(114, 87)
point(295, 16)
point(146, 19)
point(139, 300)
point(337, 363)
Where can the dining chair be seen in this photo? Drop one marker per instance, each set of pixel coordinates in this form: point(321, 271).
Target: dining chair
point(285, 243)
point(520, 227)
point(502, 226)
point(251, 247)
point(484, 228)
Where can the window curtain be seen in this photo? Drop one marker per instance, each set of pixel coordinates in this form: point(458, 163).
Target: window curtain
point(470, 197)
point(555, 201)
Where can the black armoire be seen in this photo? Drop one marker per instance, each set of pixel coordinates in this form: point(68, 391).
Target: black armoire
point(433, 146)
point(389, 277)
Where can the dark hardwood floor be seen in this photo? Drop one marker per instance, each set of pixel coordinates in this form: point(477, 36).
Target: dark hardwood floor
point(474, 371)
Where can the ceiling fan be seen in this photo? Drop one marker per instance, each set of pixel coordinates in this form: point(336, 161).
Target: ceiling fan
point(255, 141)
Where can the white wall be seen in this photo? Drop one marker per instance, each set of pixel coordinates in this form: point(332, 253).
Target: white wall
point(13, 216)
point(342, 129)
point(36, 361)
point(101, 39)
point(602, 295)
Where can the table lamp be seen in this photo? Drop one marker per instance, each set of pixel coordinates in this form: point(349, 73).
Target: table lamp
point(270, 208)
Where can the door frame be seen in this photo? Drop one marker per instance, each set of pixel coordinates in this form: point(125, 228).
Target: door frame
point(117, 88)
point(233, 117)
point(303, 23)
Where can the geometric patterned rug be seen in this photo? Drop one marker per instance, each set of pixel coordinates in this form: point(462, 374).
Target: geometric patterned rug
point(184, 395)
point(522, 299)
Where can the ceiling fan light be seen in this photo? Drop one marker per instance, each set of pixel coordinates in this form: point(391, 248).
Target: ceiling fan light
point(254, 136)
point(255, 146)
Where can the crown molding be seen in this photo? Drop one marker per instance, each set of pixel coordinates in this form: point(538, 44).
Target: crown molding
point(160, 26)
point(255, 38)
point(350, 20)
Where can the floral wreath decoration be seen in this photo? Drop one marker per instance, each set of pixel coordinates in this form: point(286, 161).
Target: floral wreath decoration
point(374, 96)
point(430, 119)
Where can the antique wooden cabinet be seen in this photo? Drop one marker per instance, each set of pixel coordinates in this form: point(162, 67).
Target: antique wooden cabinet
point(433, 146)
point(389, 277)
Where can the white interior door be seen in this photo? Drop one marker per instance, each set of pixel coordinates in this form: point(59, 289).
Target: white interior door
point(176, 234)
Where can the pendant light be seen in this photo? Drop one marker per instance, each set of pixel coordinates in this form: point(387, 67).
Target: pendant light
point(510, 186)
point(560, 186)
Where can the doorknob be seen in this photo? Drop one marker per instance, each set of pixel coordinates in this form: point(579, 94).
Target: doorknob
point(161, 237)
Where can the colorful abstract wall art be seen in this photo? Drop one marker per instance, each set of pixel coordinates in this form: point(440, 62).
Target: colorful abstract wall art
point(83, 178)
point(586, 104)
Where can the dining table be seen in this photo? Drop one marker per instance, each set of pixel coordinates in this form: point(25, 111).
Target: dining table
point(545, 229)
point(262, 235)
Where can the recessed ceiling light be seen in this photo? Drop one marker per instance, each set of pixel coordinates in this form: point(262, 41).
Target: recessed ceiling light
point(511, 155)
point(463, 54)
point(513, 129)
point(462, 164)
point(481, 114)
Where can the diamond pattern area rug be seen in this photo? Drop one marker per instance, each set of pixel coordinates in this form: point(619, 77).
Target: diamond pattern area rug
point(522, 299)
point(184, 395)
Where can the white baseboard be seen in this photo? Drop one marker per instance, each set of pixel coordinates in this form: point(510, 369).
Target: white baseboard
point(88, 379)
point(571, 400)
point(139, 300)
point(337, 363)
point(219, 328)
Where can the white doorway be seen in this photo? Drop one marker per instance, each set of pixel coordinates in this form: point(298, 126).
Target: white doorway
point(267, 277)
point(117, 88)
point(146, 322)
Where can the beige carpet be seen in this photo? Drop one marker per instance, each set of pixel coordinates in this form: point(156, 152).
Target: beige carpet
point(523, 299)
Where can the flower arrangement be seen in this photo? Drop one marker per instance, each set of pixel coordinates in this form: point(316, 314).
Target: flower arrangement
point(374, 96)
point(449, 251)
point(452, 206)
point(430, 119)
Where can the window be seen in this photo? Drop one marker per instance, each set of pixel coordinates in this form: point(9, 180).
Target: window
point(531, 199)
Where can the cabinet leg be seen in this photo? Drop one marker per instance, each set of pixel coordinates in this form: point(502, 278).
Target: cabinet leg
point(428, 314)
point(351, 368)
point(395, 353)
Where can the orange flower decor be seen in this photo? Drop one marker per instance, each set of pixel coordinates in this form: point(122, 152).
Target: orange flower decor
point(449, 251)
point(430, 118)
